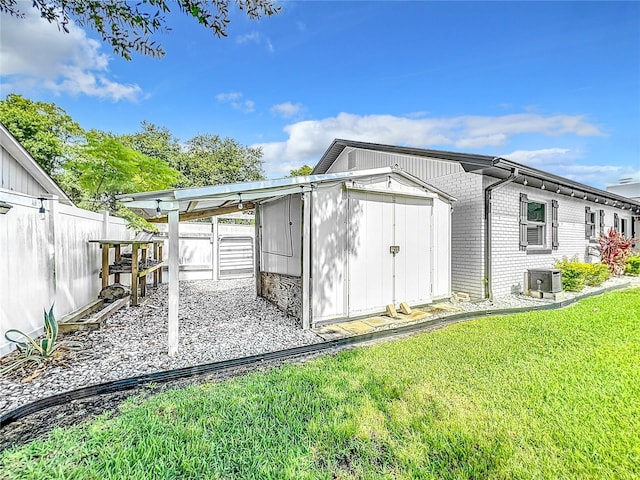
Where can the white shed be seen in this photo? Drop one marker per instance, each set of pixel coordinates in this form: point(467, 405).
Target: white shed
point(378, 237)
point(328, 247)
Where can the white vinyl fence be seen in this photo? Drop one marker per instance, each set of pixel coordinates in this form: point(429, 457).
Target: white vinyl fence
point(47, 260)
point(213, 250)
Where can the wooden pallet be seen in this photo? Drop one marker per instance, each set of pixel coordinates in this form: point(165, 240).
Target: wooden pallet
point(91, 316)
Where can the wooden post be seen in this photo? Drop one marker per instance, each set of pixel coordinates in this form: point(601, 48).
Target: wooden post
point(105, 264)
point(306, 260)
point(174, 292)
point(117, 259)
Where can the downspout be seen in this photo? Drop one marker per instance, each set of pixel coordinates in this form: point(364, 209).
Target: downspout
point(487, 229)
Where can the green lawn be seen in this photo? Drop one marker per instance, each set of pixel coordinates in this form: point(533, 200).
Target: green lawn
point(539, 395)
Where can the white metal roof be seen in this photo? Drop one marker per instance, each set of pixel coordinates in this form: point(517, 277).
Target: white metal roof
point(198, 202)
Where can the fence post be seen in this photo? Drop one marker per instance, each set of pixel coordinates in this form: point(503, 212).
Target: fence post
point(105, 224)
point(51, 219)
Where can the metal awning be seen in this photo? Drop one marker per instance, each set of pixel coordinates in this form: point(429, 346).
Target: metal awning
point(200, 202)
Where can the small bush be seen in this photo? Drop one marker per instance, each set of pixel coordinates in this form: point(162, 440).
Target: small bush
point(614, 250)
point(576, 274)
point(633, 265)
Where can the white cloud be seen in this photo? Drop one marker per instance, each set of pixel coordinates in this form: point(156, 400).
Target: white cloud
point(287, 109)
point(34, 54)
point(257, 38)
point(566, 163)
point(235, 99)
point(307, 140)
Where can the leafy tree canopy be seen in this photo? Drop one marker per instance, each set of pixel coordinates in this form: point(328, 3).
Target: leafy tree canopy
point(128, 26)
point(154, 141)
point(211, 160)
point(44, 129)
point(303, 171)
point(104, 167)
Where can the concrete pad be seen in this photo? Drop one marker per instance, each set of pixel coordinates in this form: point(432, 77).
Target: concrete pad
point(331, 332)
point(378, 321)
point(443, 308)
point(356, 326)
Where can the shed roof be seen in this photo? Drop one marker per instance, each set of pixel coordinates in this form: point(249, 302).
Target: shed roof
point(497, 167)
point(199, 202)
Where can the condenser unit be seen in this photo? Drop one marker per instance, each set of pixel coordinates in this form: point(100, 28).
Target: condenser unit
point(547, 280)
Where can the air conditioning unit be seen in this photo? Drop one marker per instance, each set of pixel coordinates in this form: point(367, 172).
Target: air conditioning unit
point(548, 280)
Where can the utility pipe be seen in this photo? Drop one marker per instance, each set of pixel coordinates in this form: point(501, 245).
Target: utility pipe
point(487, 229)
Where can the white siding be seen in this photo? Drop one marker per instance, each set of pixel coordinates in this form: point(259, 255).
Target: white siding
point(280, 223)
point(14, 177)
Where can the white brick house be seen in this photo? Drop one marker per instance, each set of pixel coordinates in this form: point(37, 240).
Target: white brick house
point(508, 217)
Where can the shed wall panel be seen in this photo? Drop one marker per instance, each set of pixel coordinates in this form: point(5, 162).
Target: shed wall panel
point(14, 177)
point(329, 230)
point(280, 223)
point(441, 248)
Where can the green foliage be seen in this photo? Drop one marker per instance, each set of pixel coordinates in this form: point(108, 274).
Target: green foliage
point(576, 274)
point(33, 350)
point(303, 171)
point(614, 250)
point(154, 141)
point(633, 265)
point(127, 26)
point(44, 129)
point(104, 168)
point(211, 160)
point(549, 394)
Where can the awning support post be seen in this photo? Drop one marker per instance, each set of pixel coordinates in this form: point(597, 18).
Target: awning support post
point(174, 276)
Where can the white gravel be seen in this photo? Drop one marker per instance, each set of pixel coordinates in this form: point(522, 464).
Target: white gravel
point(218, 321)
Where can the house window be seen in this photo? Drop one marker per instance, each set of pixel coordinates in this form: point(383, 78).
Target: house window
point(623, 227)
point(533, 225)
point(589, 223)
point(536, 223)
point(601, 222)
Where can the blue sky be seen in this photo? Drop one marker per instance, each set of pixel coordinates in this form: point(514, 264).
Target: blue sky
point(553, 85)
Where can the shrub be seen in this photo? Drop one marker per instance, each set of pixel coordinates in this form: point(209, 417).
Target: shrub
point(614, 250)
point(576, 274)
point(633, 265)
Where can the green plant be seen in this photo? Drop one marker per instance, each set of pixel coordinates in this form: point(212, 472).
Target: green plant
point(633, 265)
point(33, 350)
point(572, 274)
point(576, 274)
point(614, 250)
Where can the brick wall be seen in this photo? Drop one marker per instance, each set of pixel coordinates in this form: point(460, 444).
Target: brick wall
point(509, 263)
point(467, 231)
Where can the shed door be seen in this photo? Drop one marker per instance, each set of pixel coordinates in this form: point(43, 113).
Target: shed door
point(376, 276)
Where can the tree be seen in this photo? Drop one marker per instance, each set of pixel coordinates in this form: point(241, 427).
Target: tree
point(154, 141)
point(128, 26)
point(211, 160)
point(104, 167)
point(44, 129)
point(303, 171)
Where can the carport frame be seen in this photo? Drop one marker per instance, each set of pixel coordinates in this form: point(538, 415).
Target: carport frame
point(201, 202)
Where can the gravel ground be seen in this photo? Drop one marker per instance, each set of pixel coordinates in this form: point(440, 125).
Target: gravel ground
point(218, 321)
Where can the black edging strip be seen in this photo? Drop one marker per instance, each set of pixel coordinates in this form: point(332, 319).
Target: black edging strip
point(206, 368)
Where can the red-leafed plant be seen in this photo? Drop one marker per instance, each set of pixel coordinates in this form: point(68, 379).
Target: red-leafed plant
point(614, 250)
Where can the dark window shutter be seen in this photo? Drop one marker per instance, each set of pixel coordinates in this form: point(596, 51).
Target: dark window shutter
point(616, 222)
point(524, 202)
point(601, 221)
point(588, 227)
point(554, 225)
